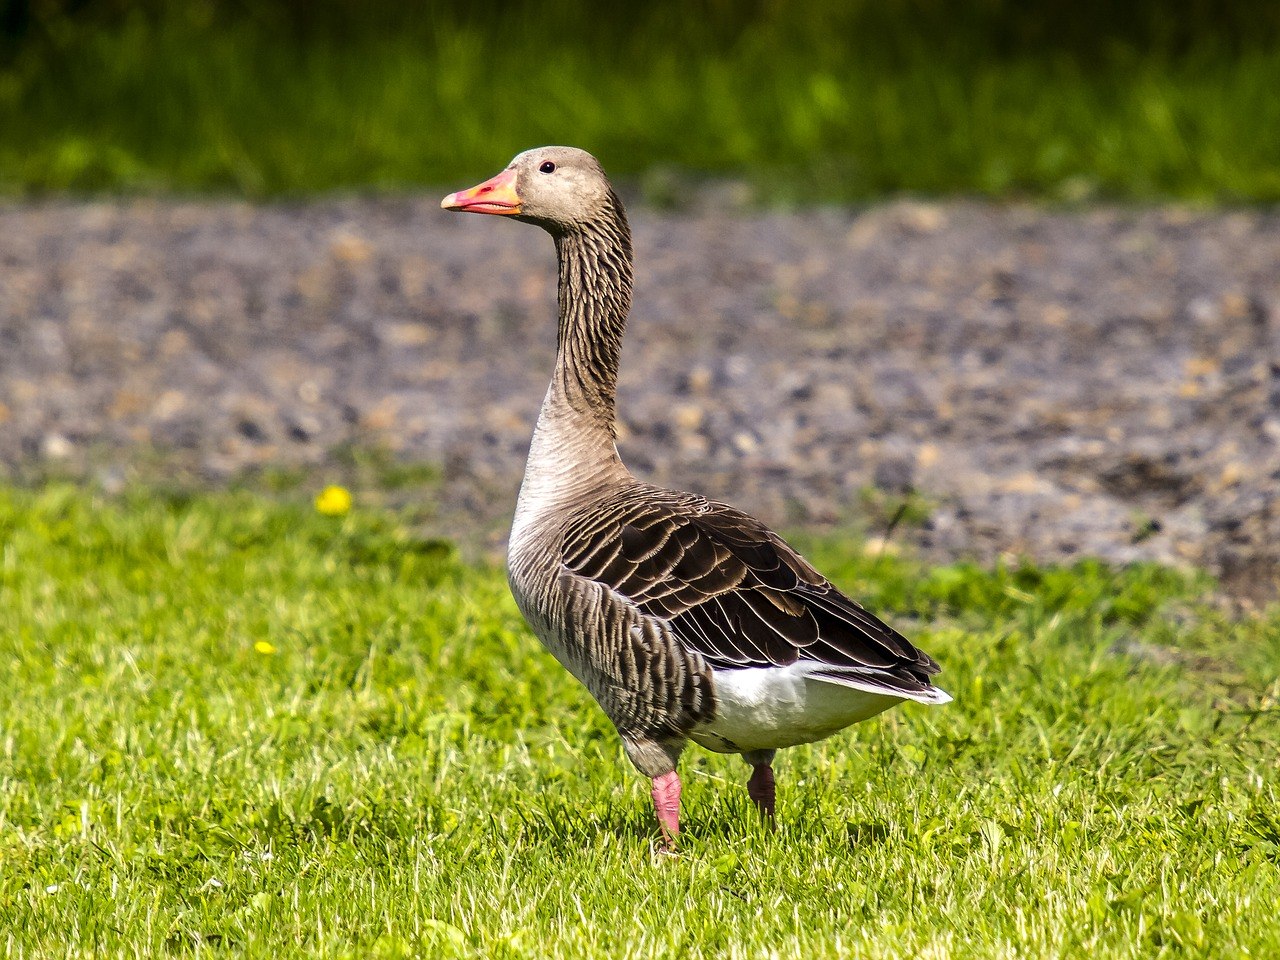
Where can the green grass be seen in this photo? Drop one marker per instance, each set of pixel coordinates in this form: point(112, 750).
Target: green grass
point(825, 102)
point(408, 774)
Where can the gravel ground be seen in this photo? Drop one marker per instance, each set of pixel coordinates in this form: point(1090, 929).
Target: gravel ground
point(1055, 384)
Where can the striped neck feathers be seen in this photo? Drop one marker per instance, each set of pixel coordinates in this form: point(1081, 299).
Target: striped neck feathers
point(594, 299)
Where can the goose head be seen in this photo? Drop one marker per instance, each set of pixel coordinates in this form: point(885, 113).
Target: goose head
point(561, 189)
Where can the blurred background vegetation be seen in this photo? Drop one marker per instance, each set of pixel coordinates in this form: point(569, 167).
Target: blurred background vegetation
point(809, 101)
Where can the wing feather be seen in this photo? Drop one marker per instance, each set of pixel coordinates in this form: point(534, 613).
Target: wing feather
point(734, 591)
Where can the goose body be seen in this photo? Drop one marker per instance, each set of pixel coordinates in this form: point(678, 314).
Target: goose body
point(685, 618)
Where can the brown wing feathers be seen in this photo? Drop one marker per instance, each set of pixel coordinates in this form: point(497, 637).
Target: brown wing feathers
point(733, 590)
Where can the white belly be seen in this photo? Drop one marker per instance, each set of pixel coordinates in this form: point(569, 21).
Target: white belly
point(765, 708)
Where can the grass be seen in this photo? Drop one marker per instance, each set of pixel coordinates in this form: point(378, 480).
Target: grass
point(231, 726)
point(825, 102)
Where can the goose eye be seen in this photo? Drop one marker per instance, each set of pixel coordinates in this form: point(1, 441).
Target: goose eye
point(548, 167)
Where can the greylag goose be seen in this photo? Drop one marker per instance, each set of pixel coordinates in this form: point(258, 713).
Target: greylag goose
point(685, 618)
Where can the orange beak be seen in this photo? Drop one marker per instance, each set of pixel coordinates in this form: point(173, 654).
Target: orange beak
point(496, 195)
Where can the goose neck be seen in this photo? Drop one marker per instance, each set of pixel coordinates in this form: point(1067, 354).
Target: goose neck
point(574, 452)
point(594, 297)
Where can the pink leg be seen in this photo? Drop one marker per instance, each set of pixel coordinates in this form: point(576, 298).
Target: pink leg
point(666, 802)
point(761, 790)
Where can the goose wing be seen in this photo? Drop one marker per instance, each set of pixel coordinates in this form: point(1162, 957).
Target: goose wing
point(735, 592)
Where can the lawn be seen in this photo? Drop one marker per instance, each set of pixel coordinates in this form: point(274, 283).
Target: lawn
point(233, 726)
point(818, 102)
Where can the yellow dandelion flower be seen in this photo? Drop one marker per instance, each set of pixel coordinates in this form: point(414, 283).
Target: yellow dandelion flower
point(263, 647)
point(334, 501)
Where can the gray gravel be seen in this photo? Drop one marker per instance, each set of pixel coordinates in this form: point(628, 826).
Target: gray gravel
point(1056, 384)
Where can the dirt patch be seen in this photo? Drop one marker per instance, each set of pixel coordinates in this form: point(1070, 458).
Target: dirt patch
point(1103, 382)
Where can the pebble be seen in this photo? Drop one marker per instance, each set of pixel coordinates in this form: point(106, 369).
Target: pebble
point(55, 446)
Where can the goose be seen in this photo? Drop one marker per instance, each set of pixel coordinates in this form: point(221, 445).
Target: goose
point(685, 618)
